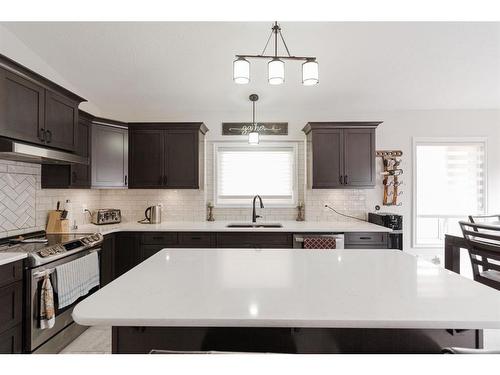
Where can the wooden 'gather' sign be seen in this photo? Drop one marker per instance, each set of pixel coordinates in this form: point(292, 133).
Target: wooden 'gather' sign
point(263, 128)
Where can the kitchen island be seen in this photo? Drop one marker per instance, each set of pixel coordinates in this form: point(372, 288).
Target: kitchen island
point(290, 300)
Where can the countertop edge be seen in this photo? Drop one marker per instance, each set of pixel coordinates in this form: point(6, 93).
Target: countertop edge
point(277, 323)
point(288, 227)
point(9, 257)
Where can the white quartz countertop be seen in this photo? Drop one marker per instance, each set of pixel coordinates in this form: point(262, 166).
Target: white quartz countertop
point(9, 257)
point(221, 226)
point(291, 288)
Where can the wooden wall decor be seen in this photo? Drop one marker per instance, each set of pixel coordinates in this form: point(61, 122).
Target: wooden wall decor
point(392, 172)
point(263, 128)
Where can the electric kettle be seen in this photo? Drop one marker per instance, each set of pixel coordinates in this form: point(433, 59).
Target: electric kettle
point(153, 215)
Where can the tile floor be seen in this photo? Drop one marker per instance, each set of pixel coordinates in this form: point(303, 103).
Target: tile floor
point(97, 340)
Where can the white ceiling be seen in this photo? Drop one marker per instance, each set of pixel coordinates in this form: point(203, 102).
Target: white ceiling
point(155, 71)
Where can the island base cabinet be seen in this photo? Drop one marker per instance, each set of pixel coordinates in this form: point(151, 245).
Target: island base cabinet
point(10, 340)
point(141, 340)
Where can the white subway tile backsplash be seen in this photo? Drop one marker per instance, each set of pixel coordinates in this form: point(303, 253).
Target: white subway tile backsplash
point(24, 205)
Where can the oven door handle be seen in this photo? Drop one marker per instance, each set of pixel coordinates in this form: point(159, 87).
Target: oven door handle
point(39, 274)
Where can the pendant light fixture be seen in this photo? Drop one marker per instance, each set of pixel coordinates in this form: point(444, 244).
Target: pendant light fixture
point(276, 65)
point(253, 136)
point(241, 70)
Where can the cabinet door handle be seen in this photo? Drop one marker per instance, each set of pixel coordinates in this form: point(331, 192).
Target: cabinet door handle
point(196, 238)
point(125, 180)
point(41, 134)
point(165, 180)
point(73, 177)
point(345, 180)
point(49, 139)
point(340, 179)
point(365, 238)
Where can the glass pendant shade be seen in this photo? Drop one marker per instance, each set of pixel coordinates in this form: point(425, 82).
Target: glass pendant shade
point(310, 73)
point(253, 138)
point(241, 71)
point(276, 71)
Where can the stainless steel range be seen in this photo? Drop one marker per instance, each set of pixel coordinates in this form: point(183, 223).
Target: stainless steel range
point(45, 253)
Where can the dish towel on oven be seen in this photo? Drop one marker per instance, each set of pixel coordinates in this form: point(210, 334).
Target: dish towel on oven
point(319, 243)
point(47, 316)
point(76, 278)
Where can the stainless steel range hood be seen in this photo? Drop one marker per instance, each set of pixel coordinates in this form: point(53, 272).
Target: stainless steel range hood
point(17, 151)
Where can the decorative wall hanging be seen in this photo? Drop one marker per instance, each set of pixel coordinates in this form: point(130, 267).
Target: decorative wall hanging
point(263, 128)
point(391, 176)
point(276, 66)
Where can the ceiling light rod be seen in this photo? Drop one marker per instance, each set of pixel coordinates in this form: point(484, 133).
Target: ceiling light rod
point(276, 29)
point(309, 58)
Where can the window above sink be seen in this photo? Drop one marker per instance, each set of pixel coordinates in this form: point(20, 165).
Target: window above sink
point(268, 169)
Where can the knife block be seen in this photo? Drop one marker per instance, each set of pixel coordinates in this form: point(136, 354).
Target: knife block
point(55, 224)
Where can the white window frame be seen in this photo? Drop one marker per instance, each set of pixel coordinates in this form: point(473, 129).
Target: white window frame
point(442, 141)
point(245, 145)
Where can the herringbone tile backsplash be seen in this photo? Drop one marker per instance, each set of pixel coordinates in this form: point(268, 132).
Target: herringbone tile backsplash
point(24, 205)
point(17, 201)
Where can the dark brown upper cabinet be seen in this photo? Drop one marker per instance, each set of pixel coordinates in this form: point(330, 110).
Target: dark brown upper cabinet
point(80, 173)
point(36, 110)
point(76, 176)
point(341, 155)
point(22, 106)
point(61, 121)
point(165, 155)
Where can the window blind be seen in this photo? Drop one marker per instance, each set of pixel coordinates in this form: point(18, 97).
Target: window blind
point(450, 184)
point(245, 172)
point(450, 179)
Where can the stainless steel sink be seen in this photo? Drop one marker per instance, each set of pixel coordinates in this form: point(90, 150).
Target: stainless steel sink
point(254, 225)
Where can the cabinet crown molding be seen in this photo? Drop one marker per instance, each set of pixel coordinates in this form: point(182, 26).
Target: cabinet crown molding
point(36, 78)
point(341, 125)
point(169, 125)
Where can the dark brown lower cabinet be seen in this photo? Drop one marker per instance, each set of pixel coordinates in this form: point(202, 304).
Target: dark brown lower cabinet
point(126, 252)
point(366, 240)
point(10, 340)
point(11, 307)
point(275, 240)
point(145, 251)
point(196, 240)
point(141, 340)
point(107, 259)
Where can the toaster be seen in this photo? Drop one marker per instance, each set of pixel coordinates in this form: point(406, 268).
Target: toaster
point(106, 216)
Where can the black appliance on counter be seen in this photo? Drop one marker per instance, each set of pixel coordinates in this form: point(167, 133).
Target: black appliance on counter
point(393, 221)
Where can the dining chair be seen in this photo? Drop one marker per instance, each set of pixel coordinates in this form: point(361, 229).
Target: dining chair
point(483, 242)
point(485, 219)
